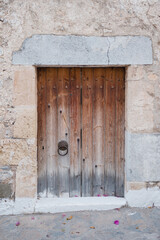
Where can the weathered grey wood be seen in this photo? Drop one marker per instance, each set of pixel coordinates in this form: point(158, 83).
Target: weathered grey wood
point(110, 126)
point(75, 125)
point(52, 133)
point(120, 124)
point(87, 131)
point(42, 163)
point(98, 131)
point(63, 129)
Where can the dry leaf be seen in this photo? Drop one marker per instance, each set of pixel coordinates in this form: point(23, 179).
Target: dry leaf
point(137, 227)
point(69, 218)
point(92, 227)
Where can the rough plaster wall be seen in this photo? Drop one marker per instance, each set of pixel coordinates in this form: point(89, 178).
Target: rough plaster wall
point(21, 19)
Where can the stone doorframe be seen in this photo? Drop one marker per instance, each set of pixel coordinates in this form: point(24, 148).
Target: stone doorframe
point(58, 51)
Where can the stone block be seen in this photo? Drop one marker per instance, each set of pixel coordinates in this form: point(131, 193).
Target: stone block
point(142, 157)
point(26, 122)
point(135, 185)
point(7, 182)
point(26, 179)
point(25, 88)
point(139, 106)
point(23, 154)
point(5, 190)
point(143, 198)
point(135, 73)
point(12, 151)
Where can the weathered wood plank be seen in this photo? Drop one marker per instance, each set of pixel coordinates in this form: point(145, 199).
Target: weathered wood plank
point(87, 127)
point(75, 126)
point(52, 133)
point(63, 129)
point(42, 161)
point(120, 125)
point(110, 125)
point(98, 131)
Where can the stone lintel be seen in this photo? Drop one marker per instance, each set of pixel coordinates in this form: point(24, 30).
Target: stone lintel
point(51, 50)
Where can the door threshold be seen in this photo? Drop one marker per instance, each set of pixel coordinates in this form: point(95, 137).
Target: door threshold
point(58, 205)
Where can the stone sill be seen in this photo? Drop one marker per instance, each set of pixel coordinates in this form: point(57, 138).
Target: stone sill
point(133, 198)
point(57, 205)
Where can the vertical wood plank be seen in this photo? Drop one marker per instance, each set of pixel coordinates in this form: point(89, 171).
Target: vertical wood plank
point(75, 125)
point(63, 129)
point(42, 160)
point(52, 133)
point(87, 126)
point(98, 131)
point(120, 125)
point(110, 125)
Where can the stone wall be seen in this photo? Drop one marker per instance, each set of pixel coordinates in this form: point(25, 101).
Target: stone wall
point(20, 20)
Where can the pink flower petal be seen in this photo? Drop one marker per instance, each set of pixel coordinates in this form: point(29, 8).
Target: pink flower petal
point(98, 195)
point(17, 223)
point(63, 215)
point(105, 195)
point(32, 218)
point(76, 196)
point(116, 222)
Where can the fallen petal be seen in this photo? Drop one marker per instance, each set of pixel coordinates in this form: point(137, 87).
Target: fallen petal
point(32, 218)
point(63, 215)
point(76, 196)
point(17, 223)
point(105, 195)
point(69, 218)
point(116, 222)
point(98, 195)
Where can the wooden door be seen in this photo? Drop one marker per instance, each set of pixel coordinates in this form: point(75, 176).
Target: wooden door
point(85, 108)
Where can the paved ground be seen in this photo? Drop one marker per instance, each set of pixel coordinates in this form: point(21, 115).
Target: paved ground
point(134, 223)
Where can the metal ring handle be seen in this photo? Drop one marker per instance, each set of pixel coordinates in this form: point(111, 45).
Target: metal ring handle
point(63, 146)
point(64, 153)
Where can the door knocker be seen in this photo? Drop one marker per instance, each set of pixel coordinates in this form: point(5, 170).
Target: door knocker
point(62, 148)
